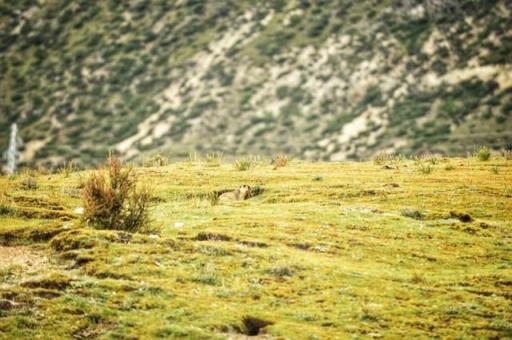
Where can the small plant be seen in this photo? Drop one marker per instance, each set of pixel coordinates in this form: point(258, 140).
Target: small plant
point(67, 168)
point(495, 170)
point(29, 180)
point(432, 159)
point(280, 161)
point(5, 203)
point(381, 158)
point(213, 197)
point(193, 157)
point(214, 159)
point(449, 167)
point(113, 201)
point(282, 270)
point(425, 168)
point(244, 164)
point(507, 154)
point(156, 161)
point(417, 278)
point(415, 214)
point(317, 178)
point(483, 153)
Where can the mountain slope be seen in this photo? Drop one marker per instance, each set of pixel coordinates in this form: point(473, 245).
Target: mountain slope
point(315, 79)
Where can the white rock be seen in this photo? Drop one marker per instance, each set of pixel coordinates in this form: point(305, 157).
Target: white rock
point(79, 210)
point(179, 225)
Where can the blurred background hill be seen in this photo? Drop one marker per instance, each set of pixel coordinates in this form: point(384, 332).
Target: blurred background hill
point(324, 79)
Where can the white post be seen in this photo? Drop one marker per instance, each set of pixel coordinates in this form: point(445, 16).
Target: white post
point(12, 152)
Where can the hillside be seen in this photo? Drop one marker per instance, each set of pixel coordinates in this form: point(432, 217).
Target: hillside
point(325, 251)
point(328, 80)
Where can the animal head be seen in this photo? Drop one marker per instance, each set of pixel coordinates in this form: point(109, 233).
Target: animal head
point(245, 191)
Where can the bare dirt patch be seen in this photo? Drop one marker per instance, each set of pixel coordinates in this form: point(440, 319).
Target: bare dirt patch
point(17, 263)
point(21, 256)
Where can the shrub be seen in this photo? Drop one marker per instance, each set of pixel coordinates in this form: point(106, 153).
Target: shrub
point(483, 153)
point(113, 201)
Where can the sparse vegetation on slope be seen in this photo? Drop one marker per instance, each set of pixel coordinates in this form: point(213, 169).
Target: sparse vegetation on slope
point(326, 250)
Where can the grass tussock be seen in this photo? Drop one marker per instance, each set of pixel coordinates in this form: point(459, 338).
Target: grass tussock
point(156, 160)
point(114, 200)
point(280, 161)
point(68, 168)
point(483, 153)
point(29, 180)
point(214, 159)
point(245, 164)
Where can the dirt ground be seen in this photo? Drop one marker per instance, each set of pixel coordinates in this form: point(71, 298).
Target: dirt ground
point(19, 262)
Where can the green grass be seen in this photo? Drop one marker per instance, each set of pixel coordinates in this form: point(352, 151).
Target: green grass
point(343, 256)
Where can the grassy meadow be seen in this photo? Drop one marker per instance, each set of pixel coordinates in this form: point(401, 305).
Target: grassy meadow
point(391, 248)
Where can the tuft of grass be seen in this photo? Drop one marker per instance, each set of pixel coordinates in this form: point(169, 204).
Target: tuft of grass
point(495, 169)
point(411, 213)
point(29, 180)
point(425, 168)
point(382, 158)
point(244, 164)
point(449, 167)
point(483, 153)
point(155, 161)
point(283, 270)
point(67, 168)
point(432, 159)
point(113, 201)
point(214, 159)
point(417, 278)
point(507, 154)
point(280, 161)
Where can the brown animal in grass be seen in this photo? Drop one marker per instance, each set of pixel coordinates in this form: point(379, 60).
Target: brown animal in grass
point(240, 194)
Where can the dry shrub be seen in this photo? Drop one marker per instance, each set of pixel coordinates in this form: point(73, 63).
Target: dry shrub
point(112, 199)
point(280, 161)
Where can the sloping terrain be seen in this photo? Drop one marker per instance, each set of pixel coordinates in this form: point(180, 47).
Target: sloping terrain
point(315, 79)
point(325, 251)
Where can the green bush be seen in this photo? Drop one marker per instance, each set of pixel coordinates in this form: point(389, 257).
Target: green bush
point(483, 153)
